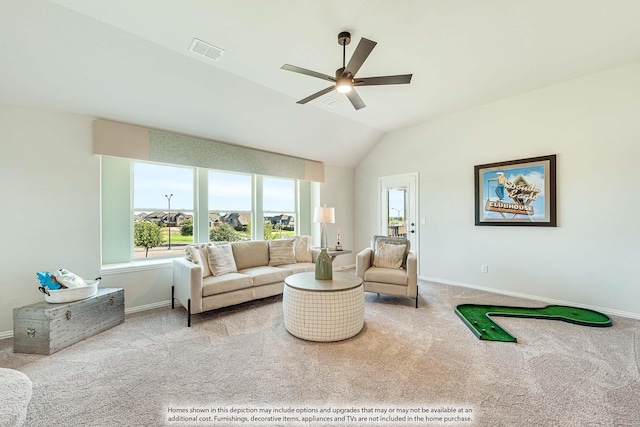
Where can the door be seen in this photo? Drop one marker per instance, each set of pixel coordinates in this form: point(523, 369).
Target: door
point(399, 207)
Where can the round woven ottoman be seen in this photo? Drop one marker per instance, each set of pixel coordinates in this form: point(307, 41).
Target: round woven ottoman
point(15, 394)
point(323, 310)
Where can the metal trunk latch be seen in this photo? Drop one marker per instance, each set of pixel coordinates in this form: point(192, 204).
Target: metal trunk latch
point(31, 333)
point(111, 300)
point(67, 315)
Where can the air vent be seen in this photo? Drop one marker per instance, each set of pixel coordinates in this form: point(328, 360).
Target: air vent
point(330, 102)
point(205, 49)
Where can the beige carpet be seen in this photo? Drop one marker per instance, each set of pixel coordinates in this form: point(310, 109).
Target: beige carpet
point(559, 374)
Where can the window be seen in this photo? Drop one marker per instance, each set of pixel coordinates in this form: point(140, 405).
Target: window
point(279, 207)
point(145, 204)
point(162, 209)
point(230, 206)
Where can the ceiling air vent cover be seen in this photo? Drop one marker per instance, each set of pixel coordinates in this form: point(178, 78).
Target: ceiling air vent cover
point(205, 49)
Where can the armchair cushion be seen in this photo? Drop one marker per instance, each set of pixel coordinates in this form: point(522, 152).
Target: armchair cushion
point(394, 241)
point(388, 255)
point(386, 275)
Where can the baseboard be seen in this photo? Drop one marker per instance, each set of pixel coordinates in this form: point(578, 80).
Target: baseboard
point(146, 307)
point(604, 310)
point(139, 308)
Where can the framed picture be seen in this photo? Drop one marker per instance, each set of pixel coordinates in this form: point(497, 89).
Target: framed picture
point(516, 192)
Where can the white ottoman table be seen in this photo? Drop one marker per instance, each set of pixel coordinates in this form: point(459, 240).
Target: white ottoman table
point(323, 310)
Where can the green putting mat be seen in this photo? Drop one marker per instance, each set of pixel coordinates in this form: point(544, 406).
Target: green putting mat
point(477, 318)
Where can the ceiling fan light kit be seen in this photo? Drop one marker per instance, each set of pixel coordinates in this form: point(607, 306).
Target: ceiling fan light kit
point(345, 79)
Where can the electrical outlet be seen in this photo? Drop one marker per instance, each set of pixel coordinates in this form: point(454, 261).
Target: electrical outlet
point(484, 268)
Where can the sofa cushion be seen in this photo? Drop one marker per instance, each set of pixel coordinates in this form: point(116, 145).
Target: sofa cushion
point(281, 252)
point(299, 267)
point(214, 285)
point(388, 255)
point(221, 260)
point(386, 275)
point(302, 248)
point(266, 275)
point(253, 253)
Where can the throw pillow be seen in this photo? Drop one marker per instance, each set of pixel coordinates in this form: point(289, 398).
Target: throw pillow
point(281, 252)
point(388, 255)
point(221, 260)
point(193, 254)
point(302, 248)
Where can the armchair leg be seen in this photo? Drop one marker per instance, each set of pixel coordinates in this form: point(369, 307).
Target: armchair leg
point(189, 313)
point(416, 297)
point(172, 298)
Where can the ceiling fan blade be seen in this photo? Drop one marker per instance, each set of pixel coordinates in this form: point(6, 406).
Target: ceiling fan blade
point(306, 72)
point(355, 99)
point(385, 80)
point(361, 53)
point(316, 95)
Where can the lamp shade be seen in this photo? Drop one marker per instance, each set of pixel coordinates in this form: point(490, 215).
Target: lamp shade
point(325, 215)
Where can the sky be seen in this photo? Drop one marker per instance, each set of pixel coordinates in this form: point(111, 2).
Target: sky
point(228, 192)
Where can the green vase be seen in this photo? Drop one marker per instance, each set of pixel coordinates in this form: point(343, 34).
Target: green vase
point(324, 267)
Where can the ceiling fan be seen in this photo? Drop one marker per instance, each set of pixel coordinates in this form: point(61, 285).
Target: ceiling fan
point(345, 80)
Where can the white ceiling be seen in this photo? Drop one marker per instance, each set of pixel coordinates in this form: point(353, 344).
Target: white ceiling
point(129, 61)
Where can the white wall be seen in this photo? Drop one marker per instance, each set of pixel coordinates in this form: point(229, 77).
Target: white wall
point(337, 190)
point(50, 204)
point(49, 196)
point(593, 257)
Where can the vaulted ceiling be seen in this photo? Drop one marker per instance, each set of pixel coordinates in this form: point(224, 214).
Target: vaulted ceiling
point(130, 61)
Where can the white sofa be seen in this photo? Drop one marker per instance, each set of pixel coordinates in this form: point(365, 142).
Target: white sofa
point(203, 282)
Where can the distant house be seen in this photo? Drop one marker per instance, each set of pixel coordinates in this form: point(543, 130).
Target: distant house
point(159, 218)
point(239, 221)
point(162, 218)
point(140, 217)
point(283, 221)
point(179, 218)
point(214, 219)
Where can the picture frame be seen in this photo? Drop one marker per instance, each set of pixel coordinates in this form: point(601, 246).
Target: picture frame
point(516, 192)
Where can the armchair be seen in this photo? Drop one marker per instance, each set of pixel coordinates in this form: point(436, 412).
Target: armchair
point(386, 269)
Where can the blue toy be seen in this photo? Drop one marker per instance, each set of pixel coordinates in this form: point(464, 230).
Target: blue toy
point(47, 280)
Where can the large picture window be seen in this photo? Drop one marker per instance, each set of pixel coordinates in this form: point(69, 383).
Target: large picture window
point(152, 211)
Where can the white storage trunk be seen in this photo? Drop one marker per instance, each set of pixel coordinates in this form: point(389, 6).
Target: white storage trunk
point(45, 328)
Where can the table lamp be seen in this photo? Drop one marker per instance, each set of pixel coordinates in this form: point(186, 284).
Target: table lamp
point(324, 215)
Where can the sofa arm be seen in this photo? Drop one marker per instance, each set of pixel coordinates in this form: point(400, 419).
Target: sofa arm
point(187, 282)
point(363, 262)
point(412, 274)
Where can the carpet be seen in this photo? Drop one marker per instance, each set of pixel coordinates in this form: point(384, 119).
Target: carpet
point(419, 364)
